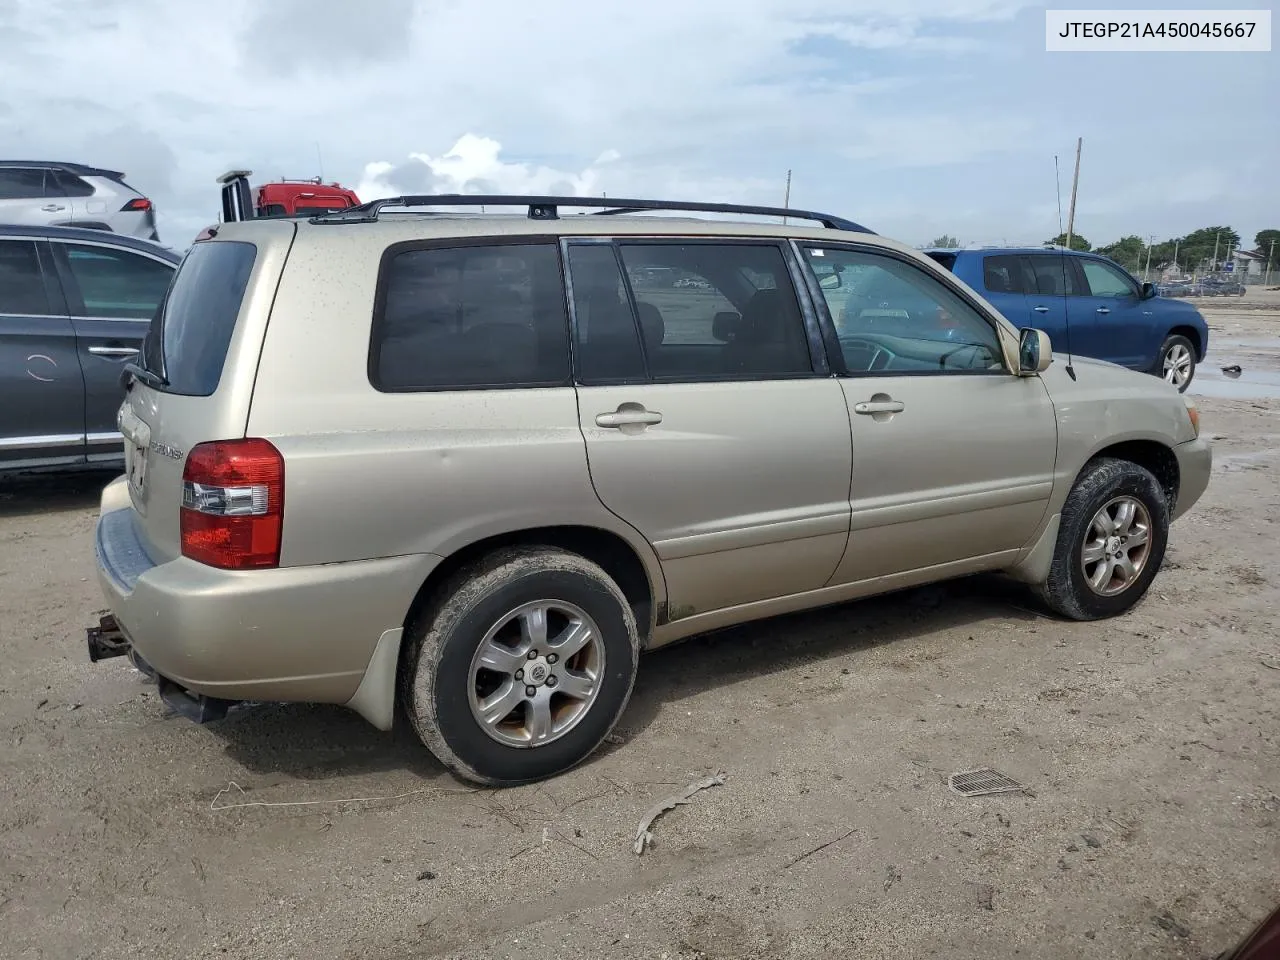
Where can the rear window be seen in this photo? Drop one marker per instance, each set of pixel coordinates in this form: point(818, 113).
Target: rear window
point(199, 315)
point(471, 317)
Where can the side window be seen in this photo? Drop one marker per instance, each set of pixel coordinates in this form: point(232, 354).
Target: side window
point(1105, 280)
point(716, 311)
point(607, 339)
point(117, 284)
point(1054, 276)
point(21, 183)
point(473, 316)
point(1003, 274)
point(893, 317)
point(21, 281)
point(62, 184)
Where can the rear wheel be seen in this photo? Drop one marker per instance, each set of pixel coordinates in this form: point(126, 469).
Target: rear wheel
point(1111, 541)
point(1177, 362)
point(521, 667)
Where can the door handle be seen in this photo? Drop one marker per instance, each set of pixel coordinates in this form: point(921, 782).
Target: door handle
point(1104, 309)
point(631, 416)
point(1042, 309)
point(114, 351)
point(870, 407)
point(52, 207)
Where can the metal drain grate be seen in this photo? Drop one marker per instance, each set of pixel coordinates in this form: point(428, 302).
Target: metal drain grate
point(983, 783)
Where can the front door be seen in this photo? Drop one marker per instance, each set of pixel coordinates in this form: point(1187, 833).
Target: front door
point(953, 455)
point(112, 294)
point(1116, 320)
point(41, 389)
point(711, 424)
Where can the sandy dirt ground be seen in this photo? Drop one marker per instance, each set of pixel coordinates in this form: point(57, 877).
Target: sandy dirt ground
point(1150, 745)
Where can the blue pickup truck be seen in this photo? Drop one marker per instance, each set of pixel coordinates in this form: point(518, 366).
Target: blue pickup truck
point(1110, 315)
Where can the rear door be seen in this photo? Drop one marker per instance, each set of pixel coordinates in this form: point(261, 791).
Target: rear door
point(112, 293)
point(1055, 280)
point(41, 389)
point(1117, 322)
point(1006, 281)
point(712, 425)
point(23, 199)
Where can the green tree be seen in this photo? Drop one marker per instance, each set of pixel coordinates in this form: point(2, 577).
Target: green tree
point(1196, 249)
point(1263, 242)
point(946, 241)
point(1130, 252)
point(1077, 242)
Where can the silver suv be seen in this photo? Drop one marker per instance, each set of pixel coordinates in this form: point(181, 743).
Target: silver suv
point(48, 193)
point(474, 465)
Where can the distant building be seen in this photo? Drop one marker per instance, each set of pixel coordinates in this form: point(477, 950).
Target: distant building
point(1249, 264)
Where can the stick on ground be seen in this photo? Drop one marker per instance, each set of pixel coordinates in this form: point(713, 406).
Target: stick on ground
point(644, 836)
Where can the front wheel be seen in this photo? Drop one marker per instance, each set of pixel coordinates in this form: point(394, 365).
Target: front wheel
point(1177, 362)
point(1111, 541)
point(521, 667)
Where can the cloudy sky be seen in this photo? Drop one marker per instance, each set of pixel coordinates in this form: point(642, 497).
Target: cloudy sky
point(914, 117)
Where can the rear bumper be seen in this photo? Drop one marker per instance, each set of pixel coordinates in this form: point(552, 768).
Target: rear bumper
point(295, 633)
point(1195, 464)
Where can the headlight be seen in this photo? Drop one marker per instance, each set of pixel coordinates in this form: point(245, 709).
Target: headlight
point(1193, 414)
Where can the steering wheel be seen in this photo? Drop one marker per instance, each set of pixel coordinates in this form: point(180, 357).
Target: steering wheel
point(879, 356)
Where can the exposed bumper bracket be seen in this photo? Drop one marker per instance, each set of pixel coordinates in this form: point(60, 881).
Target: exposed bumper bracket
point(106, 640)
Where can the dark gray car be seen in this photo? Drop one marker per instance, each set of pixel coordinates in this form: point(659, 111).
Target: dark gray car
point(74, 307)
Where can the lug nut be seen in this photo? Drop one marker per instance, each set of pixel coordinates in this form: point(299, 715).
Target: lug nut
point(519, 674)
point(530, 691)
point(552, 681)
point(533, 654)
point(552, 658)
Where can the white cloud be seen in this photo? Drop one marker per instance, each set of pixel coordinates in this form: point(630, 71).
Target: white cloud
point(473, 166)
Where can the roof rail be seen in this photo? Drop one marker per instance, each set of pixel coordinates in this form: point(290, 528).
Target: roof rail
point(547, 208)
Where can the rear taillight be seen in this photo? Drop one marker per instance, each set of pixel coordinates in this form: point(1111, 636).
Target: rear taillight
point(137, 204)
point(233, 504)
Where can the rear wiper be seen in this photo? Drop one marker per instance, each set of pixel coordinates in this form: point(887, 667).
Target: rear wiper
point(133, 371)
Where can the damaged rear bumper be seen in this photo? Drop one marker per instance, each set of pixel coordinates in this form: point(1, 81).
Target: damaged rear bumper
point(108, 640)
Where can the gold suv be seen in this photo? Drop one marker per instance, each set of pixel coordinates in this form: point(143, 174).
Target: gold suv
point(473, 465)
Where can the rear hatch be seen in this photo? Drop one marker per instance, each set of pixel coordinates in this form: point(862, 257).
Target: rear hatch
point(194, 380)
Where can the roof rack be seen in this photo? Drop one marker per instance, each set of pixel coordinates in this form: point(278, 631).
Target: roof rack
point(547, 208)
point(79, 169)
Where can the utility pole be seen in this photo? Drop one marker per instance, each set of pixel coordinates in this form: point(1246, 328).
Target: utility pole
point(1057, 182)
point(786, 199)
point(1075, 183)
point(1213, 268)
point(1146, 274)
point(1175, 255)
point(1271, 255)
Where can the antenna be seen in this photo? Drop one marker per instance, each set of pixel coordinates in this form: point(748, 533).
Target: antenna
point(319, 161)
point(1071, 222)
point(786, 200)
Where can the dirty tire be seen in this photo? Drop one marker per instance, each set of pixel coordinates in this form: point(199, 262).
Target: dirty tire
point(1066, 591)
point(436, 672)
point(1173, 342)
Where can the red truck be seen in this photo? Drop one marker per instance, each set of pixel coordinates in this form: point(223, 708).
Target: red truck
point(283, 198)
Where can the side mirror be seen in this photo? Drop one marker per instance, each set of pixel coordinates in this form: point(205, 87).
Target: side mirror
point(1148, 291)
point(828, 276)
point(725, 325)
point(1035, 353)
